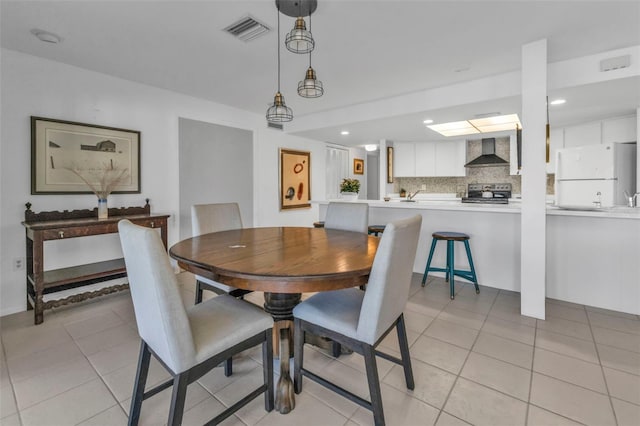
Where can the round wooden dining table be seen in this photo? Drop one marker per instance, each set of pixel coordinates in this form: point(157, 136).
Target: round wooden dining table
point(282, 262)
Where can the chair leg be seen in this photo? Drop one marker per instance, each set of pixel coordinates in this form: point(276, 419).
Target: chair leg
point(141, 380)
point(473, 270)
point(180, 383)
point(374, 384)
point(228, 367)
point(267, 363)
point(336, 349)
point(450, 268)
point(298, 354)
point(198, 292)
point(404, 351)
point(426, 270)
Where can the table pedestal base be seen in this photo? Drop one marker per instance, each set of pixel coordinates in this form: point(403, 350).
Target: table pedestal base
point(285, 399)
point(280, 306)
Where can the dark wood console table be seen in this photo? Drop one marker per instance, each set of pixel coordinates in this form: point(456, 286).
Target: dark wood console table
point(56, 225)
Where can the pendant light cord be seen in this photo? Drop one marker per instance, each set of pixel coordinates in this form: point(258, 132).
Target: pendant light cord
point(310, 33)
point(278, 9)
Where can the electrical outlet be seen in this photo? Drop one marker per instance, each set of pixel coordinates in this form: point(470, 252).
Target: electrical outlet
point(18, 263)
point(423, 187)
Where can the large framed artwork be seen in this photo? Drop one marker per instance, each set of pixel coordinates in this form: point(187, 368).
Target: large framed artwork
point(69, 157)
point(295, 179)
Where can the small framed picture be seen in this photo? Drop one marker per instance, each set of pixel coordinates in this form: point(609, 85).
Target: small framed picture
point(295, 179)
point(358, 166)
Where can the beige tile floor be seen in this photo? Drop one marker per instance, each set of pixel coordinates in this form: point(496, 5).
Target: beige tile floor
point(475, 360)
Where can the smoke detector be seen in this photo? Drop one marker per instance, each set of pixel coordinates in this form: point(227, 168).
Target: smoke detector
point(46, 36)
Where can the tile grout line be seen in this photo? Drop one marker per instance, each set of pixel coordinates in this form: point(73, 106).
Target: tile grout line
point(86, 357)
point(70, 389)
point(533, 360)
point(455, 382)
point(13, 391)
point(423, 334)
point(604, 376)
point(557, 414)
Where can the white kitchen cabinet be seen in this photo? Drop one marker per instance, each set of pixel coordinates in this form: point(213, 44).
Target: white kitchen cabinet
point(583, 134)
point(450, 157)
point(404, 159)
point(621, 129)
point(425, 159)
point(428, 159)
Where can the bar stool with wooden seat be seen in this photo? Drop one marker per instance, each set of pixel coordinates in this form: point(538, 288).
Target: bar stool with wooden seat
point(450, 271)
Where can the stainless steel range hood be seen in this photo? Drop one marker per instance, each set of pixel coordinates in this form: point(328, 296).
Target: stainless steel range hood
point(488, 157)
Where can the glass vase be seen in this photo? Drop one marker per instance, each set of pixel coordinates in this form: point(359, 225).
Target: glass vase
point(103, 210)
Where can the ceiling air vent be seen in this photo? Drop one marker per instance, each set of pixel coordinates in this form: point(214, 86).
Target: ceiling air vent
point(277, 126)
point(247, 29)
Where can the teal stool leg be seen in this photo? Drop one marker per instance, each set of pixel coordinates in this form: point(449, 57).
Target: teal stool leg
point(426, 270)
point(473, 270)
point(446, 268)
point(450, 271)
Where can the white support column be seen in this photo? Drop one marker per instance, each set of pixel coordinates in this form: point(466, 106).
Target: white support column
point(534, 183)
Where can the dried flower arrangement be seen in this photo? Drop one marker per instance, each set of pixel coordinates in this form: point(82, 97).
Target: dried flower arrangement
point(103, 180)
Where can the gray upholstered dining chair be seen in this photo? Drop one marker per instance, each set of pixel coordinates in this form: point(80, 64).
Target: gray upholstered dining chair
point(361, 320)
point(206, 218)
point(187, 342)
point(347, 217)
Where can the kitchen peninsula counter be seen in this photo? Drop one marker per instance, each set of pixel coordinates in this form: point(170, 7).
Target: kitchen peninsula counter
point(512, 208)
point(591, 256)
point(494, 231)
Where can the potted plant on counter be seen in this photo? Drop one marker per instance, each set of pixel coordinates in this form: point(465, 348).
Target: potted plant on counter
point(349, 189)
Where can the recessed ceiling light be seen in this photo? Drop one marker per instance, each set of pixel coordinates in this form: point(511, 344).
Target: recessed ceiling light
point(344, 132)
point(428, 121)
point(558, 101)
point(46, 36)
point(454, 128)
point(371, 147)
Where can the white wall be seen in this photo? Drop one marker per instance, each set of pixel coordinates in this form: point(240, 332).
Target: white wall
point(216, 166)
point(39, 87)
point(267, 172)
point(361, 154)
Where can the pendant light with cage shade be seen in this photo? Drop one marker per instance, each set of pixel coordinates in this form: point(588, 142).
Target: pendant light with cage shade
point(279, 112)
point(299, 40)
point(310, 87)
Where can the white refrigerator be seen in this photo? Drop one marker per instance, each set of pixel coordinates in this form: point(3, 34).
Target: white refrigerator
point(595, 176)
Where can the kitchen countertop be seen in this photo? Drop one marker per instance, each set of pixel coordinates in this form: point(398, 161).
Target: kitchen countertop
point(450, 203)
point(617, 212)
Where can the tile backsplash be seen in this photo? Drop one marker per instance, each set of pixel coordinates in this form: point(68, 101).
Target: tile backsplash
point(451, 185)
point(455, 184)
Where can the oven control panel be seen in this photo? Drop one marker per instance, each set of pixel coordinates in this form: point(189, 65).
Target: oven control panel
point(489, 187)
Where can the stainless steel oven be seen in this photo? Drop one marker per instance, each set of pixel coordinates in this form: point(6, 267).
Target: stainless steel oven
point(489, 193)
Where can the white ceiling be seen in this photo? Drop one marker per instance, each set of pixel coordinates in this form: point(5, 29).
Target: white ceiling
point(365, 50)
